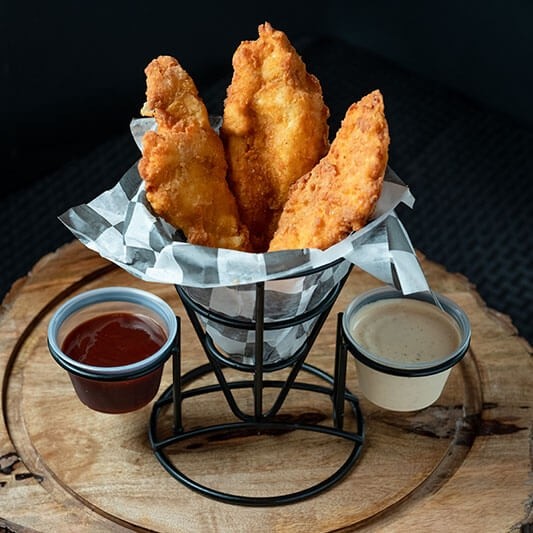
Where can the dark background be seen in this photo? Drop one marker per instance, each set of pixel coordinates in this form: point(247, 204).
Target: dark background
point(456, 77)
point(74, 70)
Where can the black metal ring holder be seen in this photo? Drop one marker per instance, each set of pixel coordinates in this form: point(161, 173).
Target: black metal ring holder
point(260, 421)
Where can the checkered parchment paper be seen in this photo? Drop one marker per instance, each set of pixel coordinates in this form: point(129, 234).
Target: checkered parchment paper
point(120, 225)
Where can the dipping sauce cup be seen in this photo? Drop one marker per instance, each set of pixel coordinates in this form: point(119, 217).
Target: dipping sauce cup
point(113, 342)
point(404, 346)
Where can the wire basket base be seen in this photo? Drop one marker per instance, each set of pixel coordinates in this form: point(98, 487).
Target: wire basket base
point(264, 426)
point(260, 420)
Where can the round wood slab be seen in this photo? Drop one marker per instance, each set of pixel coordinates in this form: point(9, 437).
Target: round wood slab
point(463, 464)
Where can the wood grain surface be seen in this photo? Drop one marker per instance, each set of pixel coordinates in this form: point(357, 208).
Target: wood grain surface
point(463, 464)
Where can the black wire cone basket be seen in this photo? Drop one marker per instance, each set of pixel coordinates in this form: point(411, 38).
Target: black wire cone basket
point(272, 330)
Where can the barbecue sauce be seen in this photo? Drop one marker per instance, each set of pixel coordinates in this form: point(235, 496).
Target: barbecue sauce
point(114, 339)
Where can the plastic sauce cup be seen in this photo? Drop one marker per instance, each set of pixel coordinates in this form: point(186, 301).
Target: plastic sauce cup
point(123, 379)
point(404, 353)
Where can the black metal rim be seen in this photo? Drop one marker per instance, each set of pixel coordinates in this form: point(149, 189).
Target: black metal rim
point(326, 302)
point(134, 374)
point(404, 372)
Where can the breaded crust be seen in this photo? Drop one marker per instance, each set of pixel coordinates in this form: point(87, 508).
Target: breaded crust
point(183, 163)
point(339, 195)
point(274, 129)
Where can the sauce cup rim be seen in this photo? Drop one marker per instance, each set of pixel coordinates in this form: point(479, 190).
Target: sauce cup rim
point(104, 295)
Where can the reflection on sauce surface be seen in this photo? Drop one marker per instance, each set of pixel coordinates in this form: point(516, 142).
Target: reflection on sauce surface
point(114, 339)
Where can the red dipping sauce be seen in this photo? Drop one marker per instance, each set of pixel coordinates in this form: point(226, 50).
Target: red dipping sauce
point(114, 339)
point(113, 343)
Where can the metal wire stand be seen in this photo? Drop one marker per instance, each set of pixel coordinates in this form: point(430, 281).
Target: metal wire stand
point(261, 420)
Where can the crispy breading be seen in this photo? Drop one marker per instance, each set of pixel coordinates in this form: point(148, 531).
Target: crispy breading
point(339, 195)
point(183, 163)
point(274, 128)
point(171, 95)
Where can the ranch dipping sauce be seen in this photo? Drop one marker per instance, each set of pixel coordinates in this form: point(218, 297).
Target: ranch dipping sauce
point(404, 346)
point(405, 331)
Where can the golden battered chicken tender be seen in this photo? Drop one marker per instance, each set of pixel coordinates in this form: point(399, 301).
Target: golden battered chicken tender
point(274, 129)
point(183, 163)
point(339, 195)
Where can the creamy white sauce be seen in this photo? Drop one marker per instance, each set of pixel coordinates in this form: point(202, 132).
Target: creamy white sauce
point(405, 330)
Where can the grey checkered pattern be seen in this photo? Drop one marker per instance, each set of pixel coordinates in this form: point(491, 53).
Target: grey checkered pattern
point(120, 225)
point(284, 299)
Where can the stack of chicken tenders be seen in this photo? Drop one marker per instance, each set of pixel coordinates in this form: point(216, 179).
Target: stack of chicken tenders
point(271, 180)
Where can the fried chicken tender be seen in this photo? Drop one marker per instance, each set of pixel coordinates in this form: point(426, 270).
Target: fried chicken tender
point(183, 163)
point(339, 195)
point(274, 129)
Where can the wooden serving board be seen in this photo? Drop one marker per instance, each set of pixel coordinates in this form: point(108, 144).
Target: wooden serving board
point(463, 464)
